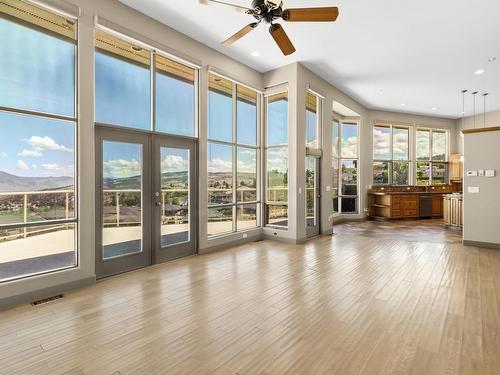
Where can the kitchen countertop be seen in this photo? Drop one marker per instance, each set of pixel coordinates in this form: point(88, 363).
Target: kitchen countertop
point(408, 192)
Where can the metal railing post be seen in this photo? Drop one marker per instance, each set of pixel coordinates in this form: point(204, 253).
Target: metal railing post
point(25, 214)
point(117, 196)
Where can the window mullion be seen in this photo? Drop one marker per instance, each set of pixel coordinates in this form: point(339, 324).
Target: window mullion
point(235, 158)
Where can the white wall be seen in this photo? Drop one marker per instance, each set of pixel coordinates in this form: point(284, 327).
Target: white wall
point(481, 211)
point(492, 119)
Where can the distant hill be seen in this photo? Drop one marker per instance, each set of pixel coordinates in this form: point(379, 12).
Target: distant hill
point(13, 183)
point(134, 182)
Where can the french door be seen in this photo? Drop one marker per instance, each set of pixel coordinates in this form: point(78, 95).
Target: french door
point(145, 199)
point(313, 195)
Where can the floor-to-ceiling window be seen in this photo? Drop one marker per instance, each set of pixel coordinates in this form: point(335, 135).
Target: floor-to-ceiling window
point(149, 92)
point(432, 156)
point(276, 206)
point(233, 153)
point(335, 165)
point(391, 155)
point(313, 152)
point(349, 163)
point(38, 130)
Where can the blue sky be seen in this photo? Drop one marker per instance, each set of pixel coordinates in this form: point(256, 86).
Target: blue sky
point(220, 117)
point(36, 146)
point(36, 70)
point(311, 131)
point(277, 132)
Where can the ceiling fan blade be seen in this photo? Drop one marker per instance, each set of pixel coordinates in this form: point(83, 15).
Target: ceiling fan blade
point(240, 34)
point(327, 14)
point(235, 6)
point(281, 39)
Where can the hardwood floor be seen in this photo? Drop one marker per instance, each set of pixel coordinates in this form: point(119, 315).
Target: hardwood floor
point(353, 303)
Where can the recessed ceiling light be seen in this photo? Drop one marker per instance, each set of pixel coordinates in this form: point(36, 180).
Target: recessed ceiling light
point(255, 54)
point(434, 108)
point(479, 71)
point(403, 104)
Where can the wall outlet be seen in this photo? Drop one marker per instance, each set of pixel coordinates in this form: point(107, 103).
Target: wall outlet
point(300, 190)
point(490, 173)
point(328, 188)
point(473, 189)
point(245, 235)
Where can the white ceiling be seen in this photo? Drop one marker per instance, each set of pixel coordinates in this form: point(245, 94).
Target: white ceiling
point(383, 53)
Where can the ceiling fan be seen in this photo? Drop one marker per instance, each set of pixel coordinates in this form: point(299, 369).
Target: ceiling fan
point(269, 11)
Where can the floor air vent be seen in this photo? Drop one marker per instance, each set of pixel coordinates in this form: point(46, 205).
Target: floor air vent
point(47, 300)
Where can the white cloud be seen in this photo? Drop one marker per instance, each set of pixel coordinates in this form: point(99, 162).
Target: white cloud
point(30, 153)
point(246, 166)
point(277, 159)
point(174, 163)
point(34, 166)
point(350, 148)
point(4, 154)
point(22, 165)
point(381, 144)
point(122, 168)
point(41, 143)
point(219, 165)
point(50, 166)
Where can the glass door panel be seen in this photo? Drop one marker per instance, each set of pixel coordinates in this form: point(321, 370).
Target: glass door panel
point(174, 197)
point(310, 191)
point(312, 195)
point(122, 201)
point(174, 218)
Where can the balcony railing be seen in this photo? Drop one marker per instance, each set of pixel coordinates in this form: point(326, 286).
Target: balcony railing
point(275, 196)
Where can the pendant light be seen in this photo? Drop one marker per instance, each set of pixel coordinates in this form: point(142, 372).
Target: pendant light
point(463, 107)
point(484, 109)
point(474, 107)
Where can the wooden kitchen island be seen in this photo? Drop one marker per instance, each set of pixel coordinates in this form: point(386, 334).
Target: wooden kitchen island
point(403, 202)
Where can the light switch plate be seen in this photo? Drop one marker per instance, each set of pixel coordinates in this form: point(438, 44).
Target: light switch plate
point(473, 189)
point(472, 173)
point(490, 173)
point(480, 173)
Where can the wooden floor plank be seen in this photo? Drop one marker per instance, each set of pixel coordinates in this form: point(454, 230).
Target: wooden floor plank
point(364, 301)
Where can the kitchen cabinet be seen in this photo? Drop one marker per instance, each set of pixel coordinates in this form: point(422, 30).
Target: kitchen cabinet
point(437, 205)
point(396, 202)
point(456, 167)
point(453, 210)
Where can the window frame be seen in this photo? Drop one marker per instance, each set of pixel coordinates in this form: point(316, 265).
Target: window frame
point(277, 146)
point(340, 159)
point(431, 160)
point(153, 52)
point(392, 160)
point(71, 120)
point(318, 115)
point(235, 204)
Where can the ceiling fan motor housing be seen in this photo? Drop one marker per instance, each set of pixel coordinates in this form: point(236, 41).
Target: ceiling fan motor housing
point(267, 11)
